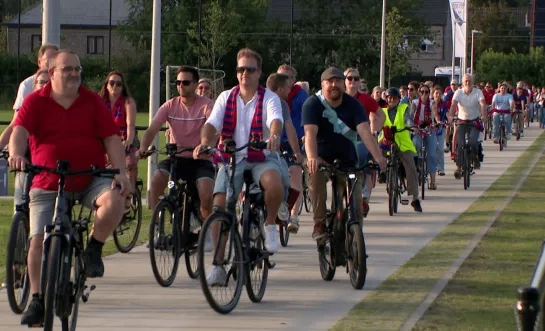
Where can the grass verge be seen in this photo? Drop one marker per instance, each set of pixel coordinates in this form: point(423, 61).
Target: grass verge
point(396, 298)
point(484, 290)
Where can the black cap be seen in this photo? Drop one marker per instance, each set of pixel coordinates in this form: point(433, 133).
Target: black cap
point(332, 73)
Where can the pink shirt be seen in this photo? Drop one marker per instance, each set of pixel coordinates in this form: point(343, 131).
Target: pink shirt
point(185, 122)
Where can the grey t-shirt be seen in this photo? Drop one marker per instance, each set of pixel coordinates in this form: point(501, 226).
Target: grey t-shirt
point(285, 114)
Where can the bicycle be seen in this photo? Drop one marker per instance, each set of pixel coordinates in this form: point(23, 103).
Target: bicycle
point(517, 120)
point(182, 203)
point(343, 229)
point(395, 184)
point(422, 163)
point(502, 141)
point(466, 162)
point(247, 254)
point(17, 284)
point(63, 252)
point(489, 123)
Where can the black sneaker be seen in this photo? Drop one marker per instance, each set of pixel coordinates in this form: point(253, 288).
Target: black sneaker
point(34, 315)
point(94, 267)
point(416, 206)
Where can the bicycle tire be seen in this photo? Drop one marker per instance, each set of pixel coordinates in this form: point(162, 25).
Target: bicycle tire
point(502, 137)
point(284, 233)
point(355, 234)
point(465, 165)
point(392, 190)
point(238, 264)
point(255, 296)
point(424, 176)
point(328, 264)
point(118, 232)
point(308, 203)
point(174, 242)
point(70, 323)
point(191, 249)
point(53, 270)
point(19, 222)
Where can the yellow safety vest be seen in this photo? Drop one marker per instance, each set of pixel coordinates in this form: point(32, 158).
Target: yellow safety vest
point(402, 139)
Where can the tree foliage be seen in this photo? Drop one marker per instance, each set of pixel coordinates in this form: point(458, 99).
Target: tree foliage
point(497, 66)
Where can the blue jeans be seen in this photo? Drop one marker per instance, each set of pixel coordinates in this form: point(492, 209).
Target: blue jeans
point(431, 150)
point(541, 111)
point(440, 151)
point(508, 125)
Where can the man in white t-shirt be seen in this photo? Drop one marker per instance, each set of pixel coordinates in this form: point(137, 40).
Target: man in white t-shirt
point(45, 53)
point(471, 107)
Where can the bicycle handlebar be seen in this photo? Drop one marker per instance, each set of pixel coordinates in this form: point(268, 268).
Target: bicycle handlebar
point(337, 166)
point(170, 149)
point(230, 148)
point(62, 170)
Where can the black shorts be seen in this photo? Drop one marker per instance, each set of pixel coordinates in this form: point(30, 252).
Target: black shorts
point(189, 169)
point(290, 160)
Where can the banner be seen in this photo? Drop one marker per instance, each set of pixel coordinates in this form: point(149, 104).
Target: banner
point(459, 27)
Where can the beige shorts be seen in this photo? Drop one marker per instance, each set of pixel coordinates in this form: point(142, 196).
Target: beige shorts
point(42, 202)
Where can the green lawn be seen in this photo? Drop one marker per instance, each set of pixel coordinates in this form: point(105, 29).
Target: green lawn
point(6, 206)
point(483, 294)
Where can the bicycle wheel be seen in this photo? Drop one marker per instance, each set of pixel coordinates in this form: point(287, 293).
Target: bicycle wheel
point(306, 199)
point(466, 168)
point(284, 233)
point(221, 296)
point(357, 263)
point(168, 245)
point(192, 241)
point(326, 258)
point(392, 190)
point(424, 176)
point(53, 271)
point(17, 284)
point(502, 137)
point(127, 232)
point(256, 269)
point(76, 294)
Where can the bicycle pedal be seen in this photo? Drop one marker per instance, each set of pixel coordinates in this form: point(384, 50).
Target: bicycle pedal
point(270, 264)
point(404, 202)
point(86, 295)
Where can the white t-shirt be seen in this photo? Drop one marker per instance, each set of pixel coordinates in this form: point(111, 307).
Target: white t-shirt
point(272, 110)
point(25, 88)
point(502, 102)
point(469, 107)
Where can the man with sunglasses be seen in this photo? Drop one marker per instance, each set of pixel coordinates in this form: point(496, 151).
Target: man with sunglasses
point(248, 112)
point(185, 115)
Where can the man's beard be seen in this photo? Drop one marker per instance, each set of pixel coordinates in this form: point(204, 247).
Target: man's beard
point(334, 95)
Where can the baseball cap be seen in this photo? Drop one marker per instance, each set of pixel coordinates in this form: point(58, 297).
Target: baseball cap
point(332, 73)
point(454, 81)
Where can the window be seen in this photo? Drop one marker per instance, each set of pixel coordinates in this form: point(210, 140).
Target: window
point(426, 46)
point(35, 42)
point(95, 45)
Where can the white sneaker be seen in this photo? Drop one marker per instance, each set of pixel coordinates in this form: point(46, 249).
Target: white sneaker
point(283, 211)
point(271, 238)
point(293, 227)
point(208, 246)
point(217, 276)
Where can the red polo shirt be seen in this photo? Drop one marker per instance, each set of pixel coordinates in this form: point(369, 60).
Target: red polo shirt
point(75, 134)
point(370, 104)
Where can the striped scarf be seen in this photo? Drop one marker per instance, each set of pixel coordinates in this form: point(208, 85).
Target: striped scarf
point(256, 129)
point(427, 112)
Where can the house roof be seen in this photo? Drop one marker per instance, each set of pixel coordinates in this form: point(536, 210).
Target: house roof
point(79, 13)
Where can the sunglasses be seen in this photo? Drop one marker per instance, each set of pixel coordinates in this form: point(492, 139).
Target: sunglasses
point(353, 78)
point(411, 89)
point(249, 70)
point(424, 92)
point(183, 82)
point(203, 87)
point(117, 83)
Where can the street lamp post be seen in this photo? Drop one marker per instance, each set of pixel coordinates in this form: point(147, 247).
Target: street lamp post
point(383, 45)
point(473, 32)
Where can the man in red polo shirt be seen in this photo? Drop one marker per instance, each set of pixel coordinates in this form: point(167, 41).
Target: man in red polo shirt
point(66, 121)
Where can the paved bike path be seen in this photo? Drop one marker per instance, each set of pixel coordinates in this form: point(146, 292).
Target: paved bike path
point(128, 298)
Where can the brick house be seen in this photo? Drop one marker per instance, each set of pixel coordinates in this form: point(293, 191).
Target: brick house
point(84, 28)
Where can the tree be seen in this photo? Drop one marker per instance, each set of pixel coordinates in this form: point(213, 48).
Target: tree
point(221, 28)
point(398, 50)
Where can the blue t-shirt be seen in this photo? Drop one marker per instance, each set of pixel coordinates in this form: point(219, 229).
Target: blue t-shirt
point(502, 102)
point(518, 99)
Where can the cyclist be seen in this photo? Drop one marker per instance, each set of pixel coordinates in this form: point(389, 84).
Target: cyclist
point(424, 112)
point(471, 107)
point(332, 120)
point(279, 84)
point(502, 103)
point(185, 115)
point(521, 101)
point(66, 121)
point(397, 115)
point(248, 112)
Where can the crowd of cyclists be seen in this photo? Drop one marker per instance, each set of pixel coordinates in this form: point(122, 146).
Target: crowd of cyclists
point(57, 118)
